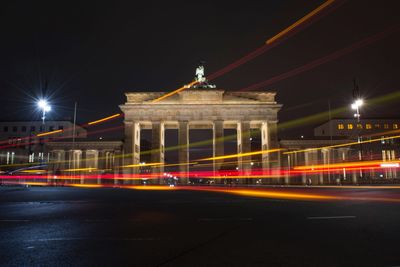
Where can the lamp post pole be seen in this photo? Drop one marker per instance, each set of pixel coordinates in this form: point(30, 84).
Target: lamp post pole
point(44, 107)
point(356, 106)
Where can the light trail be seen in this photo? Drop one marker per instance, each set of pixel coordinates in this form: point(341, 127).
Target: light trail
point(104, 119)
point(53, 132)
point(242, 154)
point(356, 164)
point(143, 165)
point(276, 39)
point(49, 133)
point(80, 169)
point(33, 171)
point(56, 138)
point(300, 21)
point(270, 43)
point(344, 145)
point(323, 60)
point(289, 193)
point(322, 116)
point(175, 92)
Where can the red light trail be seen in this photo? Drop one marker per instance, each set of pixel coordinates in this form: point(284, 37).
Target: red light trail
point(323, 60)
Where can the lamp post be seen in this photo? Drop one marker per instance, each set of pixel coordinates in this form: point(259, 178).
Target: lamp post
point(357, 104)
point(44, 107)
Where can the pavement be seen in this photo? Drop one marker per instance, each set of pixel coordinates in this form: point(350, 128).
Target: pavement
point(60, 226)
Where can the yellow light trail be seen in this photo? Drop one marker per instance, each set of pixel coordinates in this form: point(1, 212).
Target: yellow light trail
point(49, 133)
point(346, 165)
point(343, 145)
point(300, 21)
point(80, 169)
point(258, 176)
point(33, 171)
point(300, 196)
point(225, 163)
point(143, 165)
point(86, 185)
point(174, 92)
point(150, 187)
point(242, 154)
point(104, 119)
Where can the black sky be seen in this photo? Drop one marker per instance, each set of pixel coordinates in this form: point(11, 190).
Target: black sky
point(94, 51)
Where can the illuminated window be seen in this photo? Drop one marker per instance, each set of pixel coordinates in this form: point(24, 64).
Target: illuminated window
point(368, 126)
point(340, 126)
point(386, 126)
point(350, 126)
point(395, 126)
point(359, 126)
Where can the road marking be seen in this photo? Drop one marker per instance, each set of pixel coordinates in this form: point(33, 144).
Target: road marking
point(224, 219)
point(331, 217)
point(14, 220)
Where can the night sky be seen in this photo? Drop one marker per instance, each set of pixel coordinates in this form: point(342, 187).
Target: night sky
point(93, 52)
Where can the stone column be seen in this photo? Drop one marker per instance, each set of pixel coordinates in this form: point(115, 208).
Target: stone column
point(326, 159)
point(265, 145)
point(183, 139)
point(218, 145)
point(102, 160)
point(81, 163)
point(274, 158)
point(131, 150)
point(157, 149)
point(243, 141)
point(306, 163)
point(289, 168)
point(115, 165)
point(128, 144)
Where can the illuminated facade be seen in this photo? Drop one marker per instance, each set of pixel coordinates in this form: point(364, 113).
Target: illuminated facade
point(199, 108)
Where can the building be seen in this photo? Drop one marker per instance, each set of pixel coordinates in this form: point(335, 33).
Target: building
point(350, 128)
point(336, 142)
point(200, 108)
point(24, 141)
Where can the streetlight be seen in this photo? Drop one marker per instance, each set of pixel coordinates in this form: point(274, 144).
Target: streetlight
point(356, 106)
point(44, 107)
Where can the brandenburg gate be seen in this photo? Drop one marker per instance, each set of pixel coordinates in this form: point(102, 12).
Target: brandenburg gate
point(202, 107)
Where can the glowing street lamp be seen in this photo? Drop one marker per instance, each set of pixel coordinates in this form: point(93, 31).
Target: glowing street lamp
point(356, 106)
point(44, 107)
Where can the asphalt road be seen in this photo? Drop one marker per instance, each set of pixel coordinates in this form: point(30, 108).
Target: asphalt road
point(121, 227)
